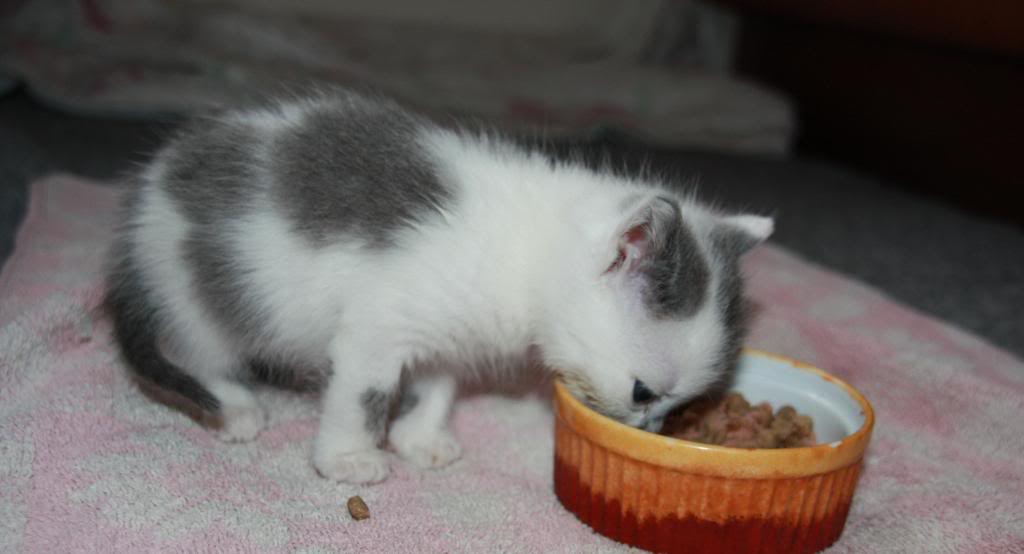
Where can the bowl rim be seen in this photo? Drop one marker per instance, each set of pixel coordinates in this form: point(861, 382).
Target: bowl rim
point(694, 457)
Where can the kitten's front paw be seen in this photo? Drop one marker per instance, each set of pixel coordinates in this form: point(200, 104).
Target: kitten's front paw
point(434, 450)
point(360, 467)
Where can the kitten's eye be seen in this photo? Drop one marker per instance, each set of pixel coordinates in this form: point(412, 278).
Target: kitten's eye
point(642, 394)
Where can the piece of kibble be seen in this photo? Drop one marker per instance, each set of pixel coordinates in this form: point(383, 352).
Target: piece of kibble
point(358, 509)
point(786, 412)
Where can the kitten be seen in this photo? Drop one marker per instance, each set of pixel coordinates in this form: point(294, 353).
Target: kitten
point(347, 236)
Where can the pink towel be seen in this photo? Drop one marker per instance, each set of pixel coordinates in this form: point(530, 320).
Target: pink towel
point(87, 464)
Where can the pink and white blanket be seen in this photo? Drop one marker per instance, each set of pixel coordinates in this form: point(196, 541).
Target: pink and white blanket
point(87, 464)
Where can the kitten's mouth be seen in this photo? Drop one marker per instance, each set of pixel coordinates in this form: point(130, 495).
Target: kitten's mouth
point(637, 420)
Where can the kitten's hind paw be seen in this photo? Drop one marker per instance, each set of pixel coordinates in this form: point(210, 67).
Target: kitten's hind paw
point(241, 417)
point(435, 451)
point(360, 467)
point(240, 424)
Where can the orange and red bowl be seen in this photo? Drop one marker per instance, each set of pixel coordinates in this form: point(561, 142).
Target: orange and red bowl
point(669, 495)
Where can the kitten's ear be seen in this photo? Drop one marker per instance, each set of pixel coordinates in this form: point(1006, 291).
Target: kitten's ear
point(740, 233)
point(644, 228)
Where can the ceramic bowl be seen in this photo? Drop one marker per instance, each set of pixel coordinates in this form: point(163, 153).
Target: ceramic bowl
point(669, 495)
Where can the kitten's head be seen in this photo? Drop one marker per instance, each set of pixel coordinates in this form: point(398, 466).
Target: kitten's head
point(654, 311)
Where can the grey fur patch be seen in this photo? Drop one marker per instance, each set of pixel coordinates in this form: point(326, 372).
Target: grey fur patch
point(730, 244)
point(376, 408)
point(406, 402)
point(221, 283)
point(211, 172)
point(355, 167)
point(677, 274)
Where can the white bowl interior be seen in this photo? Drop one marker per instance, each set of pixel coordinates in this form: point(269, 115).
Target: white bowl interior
point(835, 413)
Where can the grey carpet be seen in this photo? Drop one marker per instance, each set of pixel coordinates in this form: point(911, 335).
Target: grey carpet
point(958, 267)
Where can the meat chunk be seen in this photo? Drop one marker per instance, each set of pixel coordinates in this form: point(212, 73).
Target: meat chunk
point(730, 420)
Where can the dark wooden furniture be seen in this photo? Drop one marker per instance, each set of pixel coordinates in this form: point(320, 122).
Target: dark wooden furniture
point(928, 93)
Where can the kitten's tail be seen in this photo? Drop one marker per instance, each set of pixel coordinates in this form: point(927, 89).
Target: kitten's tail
point(135, 329)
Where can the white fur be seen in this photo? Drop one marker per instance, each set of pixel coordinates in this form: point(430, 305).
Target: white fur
point(756, 226)
point(518, 261)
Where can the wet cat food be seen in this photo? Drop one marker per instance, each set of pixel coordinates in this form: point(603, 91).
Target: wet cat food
point(730, 420)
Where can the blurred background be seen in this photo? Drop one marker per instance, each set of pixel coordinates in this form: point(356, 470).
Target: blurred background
point(885, 136)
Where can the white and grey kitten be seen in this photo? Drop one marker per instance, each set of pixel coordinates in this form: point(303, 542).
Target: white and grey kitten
point(346, 236)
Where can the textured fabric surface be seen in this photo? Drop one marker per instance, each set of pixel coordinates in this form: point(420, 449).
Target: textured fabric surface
point(88, 463)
